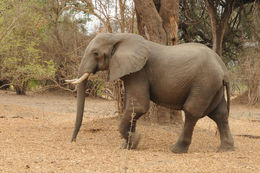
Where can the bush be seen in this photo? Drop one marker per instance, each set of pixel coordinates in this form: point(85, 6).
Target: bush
point(245, 76)
point(21, 57)
point(250, 63)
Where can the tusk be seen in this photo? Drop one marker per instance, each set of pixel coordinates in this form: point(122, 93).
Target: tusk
point(77, 81)
point(81, 79)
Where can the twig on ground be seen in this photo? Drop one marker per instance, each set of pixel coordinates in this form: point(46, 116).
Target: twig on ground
point(249, 136)
point(128, 147)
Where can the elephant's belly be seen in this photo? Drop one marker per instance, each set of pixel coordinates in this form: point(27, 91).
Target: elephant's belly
point(170, 106)
point(173, 99)
point(169, 89)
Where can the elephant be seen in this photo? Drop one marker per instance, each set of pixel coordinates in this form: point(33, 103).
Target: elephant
point(189, 77)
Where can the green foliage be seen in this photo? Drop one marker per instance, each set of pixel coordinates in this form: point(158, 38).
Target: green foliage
point(22, 59)
point(15, 70)
point(33, 84)
point(99, 87)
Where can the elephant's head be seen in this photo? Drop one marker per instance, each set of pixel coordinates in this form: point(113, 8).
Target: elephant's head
point(120, 54)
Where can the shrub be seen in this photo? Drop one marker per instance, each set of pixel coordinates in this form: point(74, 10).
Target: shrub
point(250, 63)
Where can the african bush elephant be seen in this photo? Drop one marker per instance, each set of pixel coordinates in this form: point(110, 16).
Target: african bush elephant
point(189, 77)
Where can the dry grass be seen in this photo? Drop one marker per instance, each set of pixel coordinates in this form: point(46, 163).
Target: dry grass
point(36, 138)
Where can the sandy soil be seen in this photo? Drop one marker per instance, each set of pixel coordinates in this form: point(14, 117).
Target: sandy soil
point(35, 133)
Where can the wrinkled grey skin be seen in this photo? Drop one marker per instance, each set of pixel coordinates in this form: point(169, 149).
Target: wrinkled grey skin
point(188, 77)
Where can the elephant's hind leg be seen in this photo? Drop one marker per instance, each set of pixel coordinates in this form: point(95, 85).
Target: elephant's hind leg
point(194, 107)
point(184, 141)
point(220, 116)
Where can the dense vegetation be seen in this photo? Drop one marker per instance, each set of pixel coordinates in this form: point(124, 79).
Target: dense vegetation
point(42, 41)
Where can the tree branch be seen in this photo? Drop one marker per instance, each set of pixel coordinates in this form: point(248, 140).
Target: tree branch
point(9, 29)
point(91, 11)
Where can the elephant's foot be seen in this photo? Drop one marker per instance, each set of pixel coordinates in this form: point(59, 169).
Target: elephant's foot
point(225, 148)
point(179, 149)
point(132, 142)
point(227, 144)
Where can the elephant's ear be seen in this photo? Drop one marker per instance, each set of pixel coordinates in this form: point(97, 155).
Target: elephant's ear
point(128, 56)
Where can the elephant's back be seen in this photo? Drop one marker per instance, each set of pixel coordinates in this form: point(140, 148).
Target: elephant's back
point(172, 71)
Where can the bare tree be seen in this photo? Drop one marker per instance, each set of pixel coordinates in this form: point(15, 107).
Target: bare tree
point(108, 12)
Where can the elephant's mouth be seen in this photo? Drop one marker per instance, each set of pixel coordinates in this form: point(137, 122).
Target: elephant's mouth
point(95, 70)
point(78, 80)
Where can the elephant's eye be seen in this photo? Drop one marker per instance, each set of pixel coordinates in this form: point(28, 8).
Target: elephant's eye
point(95, 54)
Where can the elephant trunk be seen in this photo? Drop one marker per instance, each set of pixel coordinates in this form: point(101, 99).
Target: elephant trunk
point(80, 108)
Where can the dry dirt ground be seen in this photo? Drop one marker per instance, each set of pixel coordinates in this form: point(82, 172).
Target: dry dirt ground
point(35, 133)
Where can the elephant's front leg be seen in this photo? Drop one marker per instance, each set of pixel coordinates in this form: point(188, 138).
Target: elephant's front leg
point(137, 104)
point(127, 129)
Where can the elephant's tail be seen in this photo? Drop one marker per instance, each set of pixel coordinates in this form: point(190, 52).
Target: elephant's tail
point(226, 84)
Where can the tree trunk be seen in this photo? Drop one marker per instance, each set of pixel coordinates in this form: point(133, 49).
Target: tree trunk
point(20, 90)
point(168, 11)
point(151, 23)
point(157, 21)
point(219, 22)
